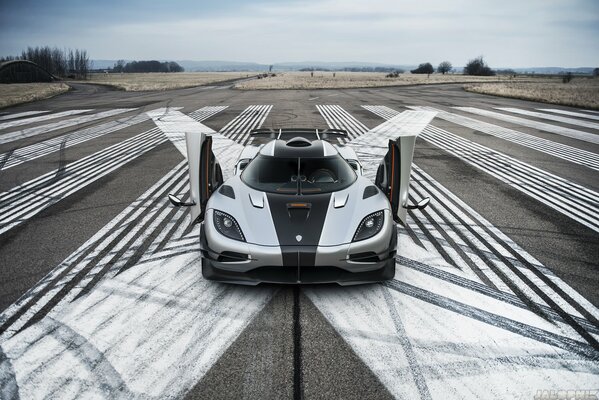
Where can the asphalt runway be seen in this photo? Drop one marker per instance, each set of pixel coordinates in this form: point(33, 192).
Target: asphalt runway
point(101, 296)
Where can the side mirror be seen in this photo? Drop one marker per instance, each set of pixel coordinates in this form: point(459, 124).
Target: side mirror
point(420, 205)
point(177, 202)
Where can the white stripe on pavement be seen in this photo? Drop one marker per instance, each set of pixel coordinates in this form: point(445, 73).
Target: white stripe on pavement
point(565, 152)
point(570, 113)
point(38, 130)
point(550, 117)
point(559, 130)
point(27, 200)
point(573, 200)
point(252, 117)
point(33, 120)
point(21, 115)
point(41, 149)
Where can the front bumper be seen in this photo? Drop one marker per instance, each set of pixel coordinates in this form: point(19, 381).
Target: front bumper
point(354, 263)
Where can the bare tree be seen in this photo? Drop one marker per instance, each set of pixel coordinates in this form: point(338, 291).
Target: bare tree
point(444, 67)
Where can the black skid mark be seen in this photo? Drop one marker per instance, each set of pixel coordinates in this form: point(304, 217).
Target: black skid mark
point(584, 350)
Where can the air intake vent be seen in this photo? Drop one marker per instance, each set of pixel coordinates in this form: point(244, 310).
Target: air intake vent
point(299, 142)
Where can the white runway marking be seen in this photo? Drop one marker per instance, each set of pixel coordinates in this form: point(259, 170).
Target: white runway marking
point(570, 113)
point(590, 111)
point(151, 326)
point(129, 315)
point(33, 120)
point(46, 147)
point(338, 118)
point(425, 332)
point(39, 130)
point(559, 130)
point(551, 117)
point(251, 118)
point(25, 201)
point(174, 124)
point(21, 115)
point(573, 200)
point(550, 147)
point(473, 246)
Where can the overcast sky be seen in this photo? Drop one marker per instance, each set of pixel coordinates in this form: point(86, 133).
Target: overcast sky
point(508, 33)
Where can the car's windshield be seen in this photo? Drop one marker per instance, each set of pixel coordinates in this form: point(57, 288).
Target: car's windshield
point(298, 175)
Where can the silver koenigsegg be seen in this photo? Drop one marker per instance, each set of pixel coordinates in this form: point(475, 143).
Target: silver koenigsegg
point(298, 208)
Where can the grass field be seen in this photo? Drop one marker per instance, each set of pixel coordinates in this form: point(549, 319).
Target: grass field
point(580, 92)
point(164, 81)
point(343, 80)
point(17, 93)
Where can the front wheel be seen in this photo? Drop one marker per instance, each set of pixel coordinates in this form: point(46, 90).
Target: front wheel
point(207, 270)
point(389, 270)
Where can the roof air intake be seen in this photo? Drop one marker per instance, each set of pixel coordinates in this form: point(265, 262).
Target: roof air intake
point(299, 142)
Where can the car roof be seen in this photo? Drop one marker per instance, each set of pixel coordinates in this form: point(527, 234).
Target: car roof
point(298, 147)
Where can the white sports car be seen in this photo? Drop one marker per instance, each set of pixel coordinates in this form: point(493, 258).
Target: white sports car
point(298, 208)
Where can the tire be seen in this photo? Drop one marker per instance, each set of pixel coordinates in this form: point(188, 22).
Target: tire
point(207, 270)
point(389, 270)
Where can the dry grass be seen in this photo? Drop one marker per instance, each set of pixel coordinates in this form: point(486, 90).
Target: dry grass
point(343, 80)
point(580, 92)
point(17, 93)
point(164, 81)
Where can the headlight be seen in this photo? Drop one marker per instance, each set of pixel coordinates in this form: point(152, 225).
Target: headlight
point(227, 226)
point(370, 226)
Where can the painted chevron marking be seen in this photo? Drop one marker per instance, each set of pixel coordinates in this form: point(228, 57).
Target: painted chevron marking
point(27, 200)
point(550, 117)
point(21, 115)
point(464, 239)
point(559, 130)
point(39, 130)
point(570, 113)
point(421, 331)
point(46, 147)
point(573, 200)
point(40, 118)
point(174, 124)
point(148, 297)
point(550, 147)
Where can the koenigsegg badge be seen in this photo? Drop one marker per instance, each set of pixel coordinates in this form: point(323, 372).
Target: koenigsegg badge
point(298, 238)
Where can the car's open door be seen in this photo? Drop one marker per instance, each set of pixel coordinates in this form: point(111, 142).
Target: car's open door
point(393, 175)
point(205, 175)
point(393, 140)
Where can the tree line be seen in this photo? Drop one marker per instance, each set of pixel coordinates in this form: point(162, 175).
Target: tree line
point(476, 66)
point(63, 63)
point(147, 66)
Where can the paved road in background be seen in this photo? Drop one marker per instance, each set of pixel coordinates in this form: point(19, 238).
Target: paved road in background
point(495, 293)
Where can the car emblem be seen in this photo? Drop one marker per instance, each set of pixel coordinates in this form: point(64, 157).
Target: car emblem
point(298, 238)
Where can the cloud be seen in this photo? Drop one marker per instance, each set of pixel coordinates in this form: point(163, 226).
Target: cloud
point(509, 33)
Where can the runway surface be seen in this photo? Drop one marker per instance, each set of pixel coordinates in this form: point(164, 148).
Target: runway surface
point(101, 295)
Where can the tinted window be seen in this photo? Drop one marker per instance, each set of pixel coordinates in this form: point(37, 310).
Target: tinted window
point(298, 175)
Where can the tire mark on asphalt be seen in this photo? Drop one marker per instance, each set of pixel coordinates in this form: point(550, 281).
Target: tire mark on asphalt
point(496, 294)
point(9, 387)
point(297, 346)
point(404, 341)
point(533, 305)
point(30, 299)
point(583, 349)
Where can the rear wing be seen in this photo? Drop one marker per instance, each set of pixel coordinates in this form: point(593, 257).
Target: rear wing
point(330, 135)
